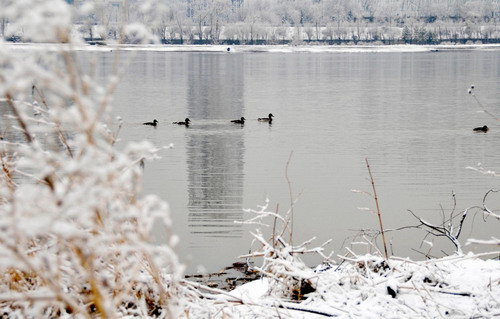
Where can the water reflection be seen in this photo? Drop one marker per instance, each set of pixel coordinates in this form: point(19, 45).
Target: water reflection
point(410, 114)
point(215, 147)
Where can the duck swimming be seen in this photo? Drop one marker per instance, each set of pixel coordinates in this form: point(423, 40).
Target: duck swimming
point(186, 122)
point(151, 123)
point(240, 121)
point(269, 118)
point(481, 129)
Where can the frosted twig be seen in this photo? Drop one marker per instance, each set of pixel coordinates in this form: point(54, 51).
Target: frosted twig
point(281, 304)
point(472, 256)
point(437, 290)
point(485, 208)
point(443, 231)
point(373, 245)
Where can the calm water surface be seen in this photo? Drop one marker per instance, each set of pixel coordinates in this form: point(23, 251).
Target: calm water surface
point(408, 113)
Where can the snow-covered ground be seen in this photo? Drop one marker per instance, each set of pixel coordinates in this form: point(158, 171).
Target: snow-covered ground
point(359, 286)
point(369, 287)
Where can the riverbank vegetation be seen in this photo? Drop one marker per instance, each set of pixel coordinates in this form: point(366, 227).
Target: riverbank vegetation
point(312, 22)
point(75, 239)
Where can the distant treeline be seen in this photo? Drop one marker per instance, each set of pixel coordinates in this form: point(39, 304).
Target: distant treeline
point(285, 21)
point(324, 42)
point(424, 34)
point(316, 36)
point(328, 35)
point(301, 21)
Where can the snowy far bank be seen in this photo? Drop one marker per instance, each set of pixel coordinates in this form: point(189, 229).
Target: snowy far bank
point(254, 48)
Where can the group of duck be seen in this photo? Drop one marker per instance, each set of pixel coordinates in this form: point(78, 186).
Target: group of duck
point(187, 121)
point(269, 119)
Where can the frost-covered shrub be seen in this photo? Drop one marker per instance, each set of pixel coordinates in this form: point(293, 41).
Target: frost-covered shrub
point(288, 276)
point(75, 231)
point(39, 20)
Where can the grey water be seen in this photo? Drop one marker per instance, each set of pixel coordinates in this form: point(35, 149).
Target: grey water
point(409, 114)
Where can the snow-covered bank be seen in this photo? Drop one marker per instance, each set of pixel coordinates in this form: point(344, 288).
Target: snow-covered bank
point(254, 48)
point(369, 287)
point(358, 286)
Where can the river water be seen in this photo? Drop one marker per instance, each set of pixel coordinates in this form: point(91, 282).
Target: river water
point(408, 113)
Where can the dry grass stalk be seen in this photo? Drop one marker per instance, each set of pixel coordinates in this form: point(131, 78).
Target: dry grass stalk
point(274, 225)
point(379, 214)
point(292, 204)
point(7, 171)
point(19, 117)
